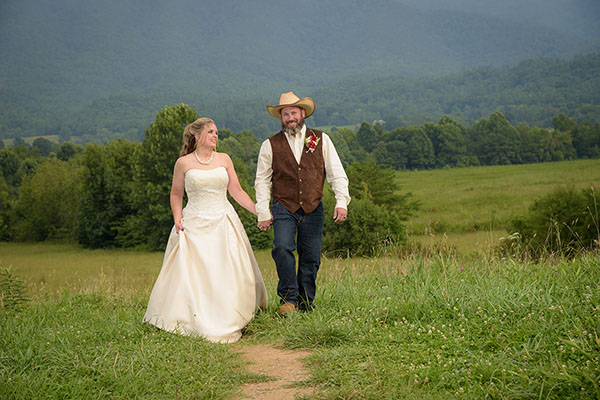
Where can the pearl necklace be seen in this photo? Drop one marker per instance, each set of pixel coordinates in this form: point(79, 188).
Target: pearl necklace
point(207, 161)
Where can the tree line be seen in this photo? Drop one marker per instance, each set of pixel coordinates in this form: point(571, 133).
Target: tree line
point(117, 194)
point(448, 143)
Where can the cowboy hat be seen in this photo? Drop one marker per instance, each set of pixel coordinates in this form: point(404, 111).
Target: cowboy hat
point(289, 99)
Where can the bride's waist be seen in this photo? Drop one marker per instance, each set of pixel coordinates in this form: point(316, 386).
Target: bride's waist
point(208, 209)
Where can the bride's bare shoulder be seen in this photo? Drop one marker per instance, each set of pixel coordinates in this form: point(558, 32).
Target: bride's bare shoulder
point(184, 162)
point(222, 157)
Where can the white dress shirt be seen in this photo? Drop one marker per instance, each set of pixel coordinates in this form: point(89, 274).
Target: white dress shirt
point(334, 172)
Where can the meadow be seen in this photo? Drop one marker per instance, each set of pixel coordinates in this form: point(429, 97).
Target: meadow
point(413, 324)
point(469, 208)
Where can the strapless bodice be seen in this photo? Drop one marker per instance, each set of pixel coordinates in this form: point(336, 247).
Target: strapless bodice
point(207, 193)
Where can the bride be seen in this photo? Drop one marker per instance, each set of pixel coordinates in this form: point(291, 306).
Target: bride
point(209, 284)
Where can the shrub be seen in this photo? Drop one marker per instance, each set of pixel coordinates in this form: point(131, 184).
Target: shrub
point(563, 222)
point(369, 227)
point(375, 214)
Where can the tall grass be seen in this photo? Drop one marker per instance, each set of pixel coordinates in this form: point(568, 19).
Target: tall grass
point(421, 322)
point(93, 346)
point(416, 327)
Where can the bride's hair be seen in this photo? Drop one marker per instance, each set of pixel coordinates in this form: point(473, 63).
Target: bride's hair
point(189, 140)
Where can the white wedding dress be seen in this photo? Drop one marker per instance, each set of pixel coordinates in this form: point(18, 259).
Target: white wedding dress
point(209, 284)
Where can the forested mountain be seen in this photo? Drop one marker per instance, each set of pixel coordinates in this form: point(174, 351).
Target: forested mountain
point(579, 17)
point(532, 92)
point(101, 68)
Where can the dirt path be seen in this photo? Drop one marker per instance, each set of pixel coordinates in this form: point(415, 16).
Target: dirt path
point(284, 366)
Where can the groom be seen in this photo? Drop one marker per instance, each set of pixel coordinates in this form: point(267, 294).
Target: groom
point(295, 163)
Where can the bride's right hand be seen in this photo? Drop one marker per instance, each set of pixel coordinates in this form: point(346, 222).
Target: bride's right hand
point(178, 227)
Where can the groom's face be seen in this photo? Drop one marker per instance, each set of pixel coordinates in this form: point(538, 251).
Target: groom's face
point(292, 118)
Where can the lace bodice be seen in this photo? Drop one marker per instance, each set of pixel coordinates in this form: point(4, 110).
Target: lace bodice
point(207, 193)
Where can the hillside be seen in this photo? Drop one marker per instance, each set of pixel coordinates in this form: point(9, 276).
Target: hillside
point(72, 49)
point(532, 92)
point(59, 57)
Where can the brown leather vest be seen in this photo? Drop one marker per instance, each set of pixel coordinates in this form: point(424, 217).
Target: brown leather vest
point(298, 186)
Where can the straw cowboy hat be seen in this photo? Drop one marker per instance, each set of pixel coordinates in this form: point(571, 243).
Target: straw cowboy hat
point(289, 99)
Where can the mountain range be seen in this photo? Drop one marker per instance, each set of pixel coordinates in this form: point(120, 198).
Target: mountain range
point(59, 56)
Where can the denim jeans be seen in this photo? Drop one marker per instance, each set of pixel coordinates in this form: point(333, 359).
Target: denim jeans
point(303, 232)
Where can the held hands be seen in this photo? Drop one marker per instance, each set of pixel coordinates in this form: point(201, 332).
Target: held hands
point(265, 225)
point(339, 215)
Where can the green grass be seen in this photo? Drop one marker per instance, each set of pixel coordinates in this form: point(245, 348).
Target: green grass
point(461, 206)
point(424, 323)
point(93, 346)
point(486, 198)
point(417, 327)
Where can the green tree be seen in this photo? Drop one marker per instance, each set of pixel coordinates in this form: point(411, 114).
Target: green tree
point(27, 168)
point(48, 202)
point(367, 136)
point(5, 209)
point(378, 184)
point(152, 176)
point(19, 142)
point(529, 143)
point(586, 140)
point(9, 165)
point(495, 141)
point(338, 137)
point(68, 150)
point(45, 146)
point(562, 123)
point(448, 139)
point(419, 149)
point(105, 188)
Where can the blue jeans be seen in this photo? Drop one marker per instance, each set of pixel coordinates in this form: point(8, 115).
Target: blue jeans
point(303, 232)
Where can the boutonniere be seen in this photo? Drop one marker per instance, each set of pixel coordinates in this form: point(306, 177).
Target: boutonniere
point(311, 143)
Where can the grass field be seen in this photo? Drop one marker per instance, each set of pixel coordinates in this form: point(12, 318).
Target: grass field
point(385, 328)
point(470, 207)
point(427, 325)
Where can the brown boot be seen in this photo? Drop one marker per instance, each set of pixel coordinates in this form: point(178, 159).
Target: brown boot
point(287, 308)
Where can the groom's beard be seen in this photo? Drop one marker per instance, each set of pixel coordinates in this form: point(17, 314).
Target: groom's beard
point(296, 129)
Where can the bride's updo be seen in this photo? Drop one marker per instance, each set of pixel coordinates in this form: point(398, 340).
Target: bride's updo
point(189, 140)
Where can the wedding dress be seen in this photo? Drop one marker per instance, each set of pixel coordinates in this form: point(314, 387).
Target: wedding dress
point(209, 284)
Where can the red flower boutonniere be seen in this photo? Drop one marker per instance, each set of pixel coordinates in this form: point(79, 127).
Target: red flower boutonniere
point(311, 143)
